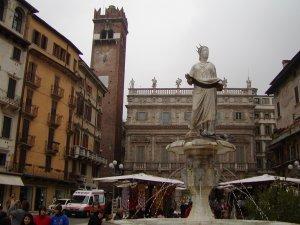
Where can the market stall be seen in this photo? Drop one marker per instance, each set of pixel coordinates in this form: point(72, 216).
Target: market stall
point(144, 195)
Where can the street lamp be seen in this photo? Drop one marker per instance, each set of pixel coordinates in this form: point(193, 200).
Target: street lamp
point(117, 169)
point(296, 164)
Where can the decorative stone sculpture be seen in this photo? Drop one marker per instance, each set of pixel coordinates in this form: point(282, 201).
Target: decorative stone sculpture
point(131, 84)
point(206, 83)
point(224, 82)
point(154, 82)
point(248, 83)
point(178, 82)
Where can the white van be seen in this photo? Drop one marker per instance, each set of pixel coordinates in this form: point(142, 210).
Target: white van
point(82, 202)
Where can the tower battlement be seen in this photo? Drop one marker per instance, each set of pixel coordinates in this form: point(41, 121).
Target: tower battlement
point(111, 12)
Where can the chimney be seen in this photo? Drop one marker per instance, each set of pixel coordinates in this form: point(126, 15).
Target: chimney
point(285, 62)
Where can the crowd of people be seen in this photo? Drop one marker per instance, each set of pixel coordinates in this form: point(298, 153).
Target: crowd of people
point(17, 213)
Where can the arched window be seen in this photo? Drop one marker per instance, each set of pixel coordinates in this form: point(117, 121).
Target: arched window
point(2, 6)
point(110, 34)
point(18, 19)
point(103, 34)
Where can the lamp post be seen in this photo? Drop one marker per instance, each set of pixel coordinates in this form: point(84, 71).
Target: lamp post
point(117, 170)
point(294, 167)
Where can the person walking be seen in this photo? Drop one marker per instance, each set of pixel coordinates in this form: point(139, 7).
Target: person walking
point(18, 214)
point(97, 217)
point(59, 218)
point(42, 218)
point(28, 220)
point(10, 202)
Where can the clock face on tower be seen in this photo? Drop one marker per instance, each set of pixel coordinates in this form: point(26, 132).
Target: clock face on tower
point(103, 55)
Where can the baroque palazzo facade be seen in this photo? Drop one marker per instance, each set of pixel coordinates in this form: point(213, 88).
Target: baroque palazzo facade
point(158, 116)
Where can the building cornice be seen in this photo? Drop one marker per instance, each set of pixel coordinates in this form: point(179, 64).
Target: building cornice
point(51, 61)
point(10, 35)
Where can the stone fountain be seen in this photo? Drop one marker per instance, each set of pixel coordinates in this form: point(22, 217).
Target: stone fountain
point(200, 146)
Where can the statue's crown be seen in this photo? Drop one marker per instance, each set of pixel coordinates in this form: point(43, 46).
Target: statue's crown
point(199, 49)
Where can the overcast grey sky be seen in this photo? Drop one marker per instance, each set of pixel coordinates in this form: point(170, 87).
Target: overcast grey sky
point(244, 36)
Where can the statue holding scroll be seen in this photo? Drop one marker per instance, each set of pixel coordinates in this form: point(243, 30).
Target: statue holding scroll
point(206, 83)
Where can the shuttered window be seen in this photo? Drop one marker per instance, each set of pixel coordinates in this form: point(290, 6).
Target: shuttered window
point(6, 127)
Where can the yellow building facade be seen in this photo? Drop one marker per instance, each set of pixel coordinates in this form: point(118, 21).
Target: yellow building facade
point(84, 159)
point(49, 87)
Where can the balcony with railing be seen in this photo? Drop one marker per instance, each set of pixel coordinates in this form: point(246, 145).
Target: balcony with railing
point(82, 153)
point(30, 110)
point(188, 91)
point(152, 166)
point(40, 171)
point(9, 102)
point(72, 101)
point(33, 80)
point(54, 120)
point(236, 167)
point(52, 148)
point(28, 140)
point(57, 92)
point(72, 127)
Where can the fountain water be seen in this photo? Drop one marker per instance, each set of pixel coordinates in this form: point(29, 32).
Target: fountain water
point(200, 179)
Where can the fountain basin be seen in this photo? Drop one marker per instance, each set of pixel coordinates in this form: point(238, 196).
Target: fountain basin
point(173, 221)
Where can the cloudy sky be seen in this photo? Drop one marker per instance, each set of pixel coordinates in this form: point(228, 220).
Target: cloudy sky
point(248, 37)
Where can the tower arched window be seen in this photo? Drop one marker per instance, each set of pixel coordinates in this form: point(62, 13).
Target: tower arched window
point(2, 7)
point(110, 34)
point(103, 34)
point(18, 19)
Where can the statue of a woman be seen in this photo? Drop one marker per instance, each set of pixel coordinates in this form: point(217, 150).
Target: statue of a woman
point(206, 83)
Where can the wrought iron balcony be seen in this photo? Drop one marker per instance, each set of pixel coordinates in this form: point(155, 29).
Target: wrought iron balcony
point(57, 92)
point(82, 153)
point(52, 148)
point(28, 140)
point(33, 80)
point(7, 102)
point(54, 120)
point(72, 101)
point(30, 110)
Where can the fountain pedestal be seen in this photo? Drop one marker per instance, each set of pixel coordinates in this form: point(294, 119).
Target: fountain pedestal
point(200, 175)
point(200, 180)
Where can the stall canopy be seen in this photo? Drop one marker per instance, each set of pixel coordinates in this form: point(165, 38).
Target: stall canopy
point(261, 179)
point(11, 180)
point(139, 177)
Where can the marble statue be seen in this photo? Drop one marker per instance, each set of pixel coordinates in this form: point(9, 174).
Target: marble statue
point(154, 82)
point(206, 83)
point(178, 82)
point(131, 84)
point(224, 82)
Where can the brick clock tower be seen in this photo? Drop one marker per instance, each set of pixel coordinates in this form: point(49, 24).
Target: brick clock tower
point(108, 62)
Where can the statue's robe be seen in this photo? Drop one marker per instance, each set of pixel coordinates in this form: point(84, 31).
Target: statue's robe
point(204, 99)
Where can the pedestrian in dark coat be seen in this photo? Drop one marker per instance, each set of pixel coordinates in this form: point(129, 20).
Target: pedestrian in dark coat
point(97, 217)
point(18, 214)
point(4, 219)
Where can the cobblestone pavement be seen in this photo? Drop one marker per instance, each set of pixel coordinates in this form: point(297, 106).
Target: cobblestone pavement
point(78, 221)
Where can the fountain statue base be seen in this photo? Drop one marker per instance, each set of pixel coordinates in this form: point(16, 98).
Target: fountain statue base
point(200, 176)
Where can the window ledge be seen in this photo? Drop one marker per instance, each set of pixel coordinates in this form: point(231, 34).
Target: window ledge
point(15, 60)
